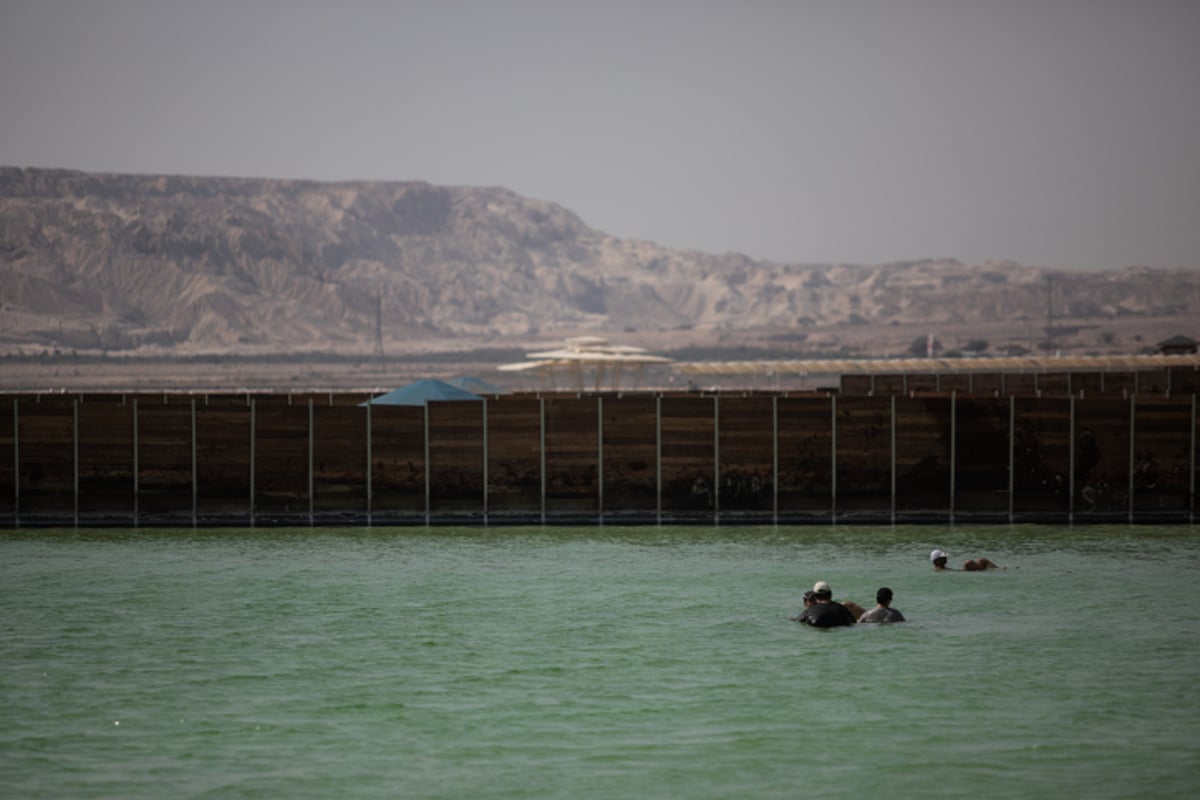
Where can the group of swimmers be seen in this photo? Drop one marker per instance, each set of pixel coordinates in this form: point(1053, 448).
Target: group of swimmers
point(822, 611)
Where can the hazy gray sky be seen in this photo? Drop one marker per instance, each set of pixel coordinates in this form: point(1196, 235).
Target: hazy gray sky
point(1055, 133)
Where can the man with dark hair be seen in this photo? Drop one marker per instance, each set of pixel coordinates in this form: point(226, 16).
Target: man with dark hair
point(883, 612)
point(824, 612)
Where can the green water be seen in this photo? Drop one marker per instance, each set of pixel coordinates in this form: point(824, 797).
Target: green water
point(596, 663)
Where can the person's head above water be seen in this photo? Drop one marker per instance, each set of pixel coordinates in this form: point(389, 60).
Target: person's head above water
point(883, 596)
point(821, 591)
point(938, 557)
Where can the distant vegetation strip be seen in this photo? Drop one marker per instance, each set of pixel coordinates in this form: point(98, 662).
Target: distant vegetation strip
point(497, 355)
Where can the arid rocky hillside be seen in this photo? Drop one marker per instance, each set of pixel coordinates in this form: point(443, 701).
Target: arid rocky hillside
point(166, 264)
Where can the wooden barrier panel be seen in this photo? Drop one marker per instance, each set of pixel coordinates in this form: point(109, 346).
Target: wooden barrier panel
point(1185, 380)
point(688, 456)
point(572, 455)
point(956, 382)
point(923, 478)
point(1021, 384)
point(746, 447)
point(223, 458)
point(1162, 457)
point(167, 459)
point(281, 462)
point(1119, 384)
point(46, 473)
point(106, 480)
point(864, 455)
point(1087, 384)
point(806, 456)
point(1054, 384)
point(630, 438)
point(1102, 454)
point(397, 461)
point(227, 400)
point(514, 455)
point(987, 383)
point(922, 382)
point(164, 456)
point(982, 455)
point(10, 489)
point(1042, 457)
point(456, 463)
point(340, 459)
point(856, 384)
point(1153, 381)
point(889, 384)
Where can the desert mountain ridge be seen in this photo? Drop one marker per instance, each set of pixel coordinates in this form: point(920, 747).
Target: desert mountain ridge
point(163, 264)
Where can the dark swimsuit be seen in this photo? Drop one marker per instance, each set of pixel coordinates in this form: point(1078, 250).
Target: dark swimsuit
point(827, 615)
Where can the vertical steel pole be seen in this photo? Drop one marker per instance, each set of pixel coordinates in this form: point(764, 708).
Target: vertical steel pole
point(17, 463)
point(485, 460)
point(370, 485)
point(600, 458)
point(311, 482)
point(427, 465)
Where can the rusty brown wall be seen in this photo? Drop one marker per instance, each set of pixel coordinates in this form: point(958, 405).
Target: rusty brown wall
point(760, 457)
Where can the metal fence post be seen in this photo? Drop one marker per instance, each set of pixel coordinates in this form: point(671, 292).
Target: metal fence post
point(600, 458)
point(370, 485)
point(485, 460)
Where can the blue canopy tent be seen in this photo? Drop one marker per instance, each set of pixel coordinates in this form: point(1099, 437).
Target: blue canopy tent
point(418, 392)
point(472, 384)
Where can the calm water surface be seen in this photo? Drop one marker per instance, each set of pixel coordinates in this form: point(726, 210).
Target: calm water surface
point(596, 662)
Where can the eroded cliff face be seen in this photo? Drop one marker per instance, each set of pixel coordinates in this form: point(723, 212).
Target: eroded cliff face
point(130, 263)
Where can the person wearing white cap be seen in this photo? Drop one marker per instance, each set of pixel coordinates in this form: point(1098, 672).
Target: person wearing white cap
point(940, 557)
point(824, 612)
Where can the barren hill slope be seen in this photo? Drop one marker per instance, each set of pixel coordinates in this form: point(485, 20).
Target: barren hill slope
point(139, 264)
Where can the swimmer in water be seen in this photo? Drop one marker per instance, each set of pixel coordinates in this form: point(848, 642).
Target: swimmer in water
point(883, 612)
point(808, 601)
point(824, 612)
point(939, 559)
